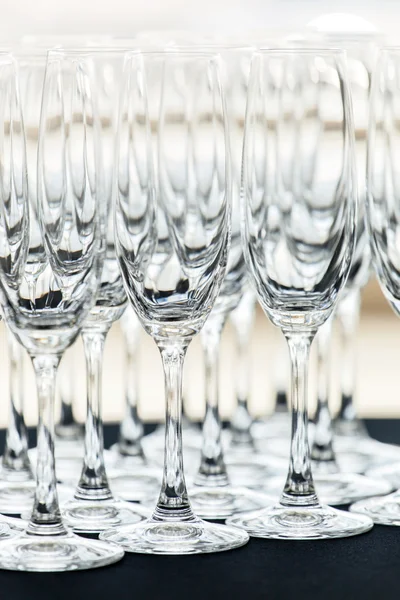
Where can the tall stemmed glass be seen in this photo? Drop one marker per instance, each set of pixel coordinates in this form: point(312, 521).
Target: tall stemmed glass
point(173, 249)
point(50, 257)
point(212, 494)
point(142, 482)
point(384, 221)
point(17, 483)
point(31, 72)
point(69, 433)
point(242, 319)
point(94, 507)
point(299, 221)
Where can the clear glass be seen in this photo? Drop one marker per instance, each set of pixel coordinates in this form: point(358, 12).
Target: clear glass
point(17, 483)
point(334, 486)
point(31, 71)
point(299, 228)
point(94, 508)
point(350, 432)
point(273, 429)
point(172, 241)
point(383, 218)
point(212, 495)
point(50, 258)
point(138, 481)
point(69, 433)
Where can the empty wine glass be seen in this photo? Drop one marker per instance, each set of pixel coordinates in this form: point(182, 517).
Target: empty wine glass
point(173, 248)
point(383, 225)
point(50, 258)
point(242, 319)
point(17, 483)
point(94, 508)
point(128, 454)
point(299, 228)
point(212, 494)
point(69, 433)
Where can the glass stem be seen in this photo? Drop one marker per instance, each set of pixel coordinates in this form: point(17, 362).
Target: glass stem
point(46, 518)
point(322, 451)
point(131, 429)
point(348, 316)
point(173, 502)
point(15, 461)
point(281, 377)
point(299, 488)
point(242, 319)
point(93, 484)
point(212, 469)
point(67, 428)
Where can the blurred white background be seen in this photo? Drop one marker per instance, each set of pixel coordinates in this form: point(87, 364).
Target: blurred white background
point(125, 17)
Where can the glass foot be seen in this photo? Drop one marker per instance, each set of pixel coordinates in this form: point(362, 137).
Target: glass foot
point(279, 447)
point(219, 503)
point(276, 425)
point(338, 488)
point(389, 472)
point(354, 428)
point(17, 498)
point(56, 553)
point(301, 523)
point(136, 485)
point(252, 472)
point(383, 511)
point(188, 537)
point(93, 516)
point(11, 527)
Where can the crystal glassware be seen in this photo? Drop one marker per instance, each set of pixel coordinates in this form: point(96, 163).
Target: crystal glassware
point(219, 490)
point(17, 483)
point(299, 229)
point(69, 433)
point(94, 507)
point(173, 248)
point(50, 258)
point(383, 224)
point(128, 454)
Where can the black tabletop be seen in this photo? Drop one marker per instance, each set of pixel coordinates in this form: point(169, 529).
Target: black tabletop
point(364, 567)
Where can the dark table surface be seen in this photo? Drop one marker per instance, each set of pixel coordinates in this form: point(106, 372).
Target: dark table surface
point(362, 567)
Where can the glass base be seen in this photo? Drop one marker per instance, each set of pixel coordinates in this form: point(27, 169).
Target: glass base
point(350, 429)
point(136, 485)
point(383, 511)
point(252, 470)
point(187, 537)
point(302, 523)
point(219, 503)
point(278, 447)
point(93, 516)
point(389, 472)
point(11, 527)
point(17, 498)
point(276, 425)
point(56, 553)
point(336, 489)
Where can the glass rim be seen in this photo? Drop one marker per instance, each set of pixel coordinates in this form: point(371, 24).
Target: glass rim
point(317, 50)
point(171, 51)
point(86, 50)
point(394, 49)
